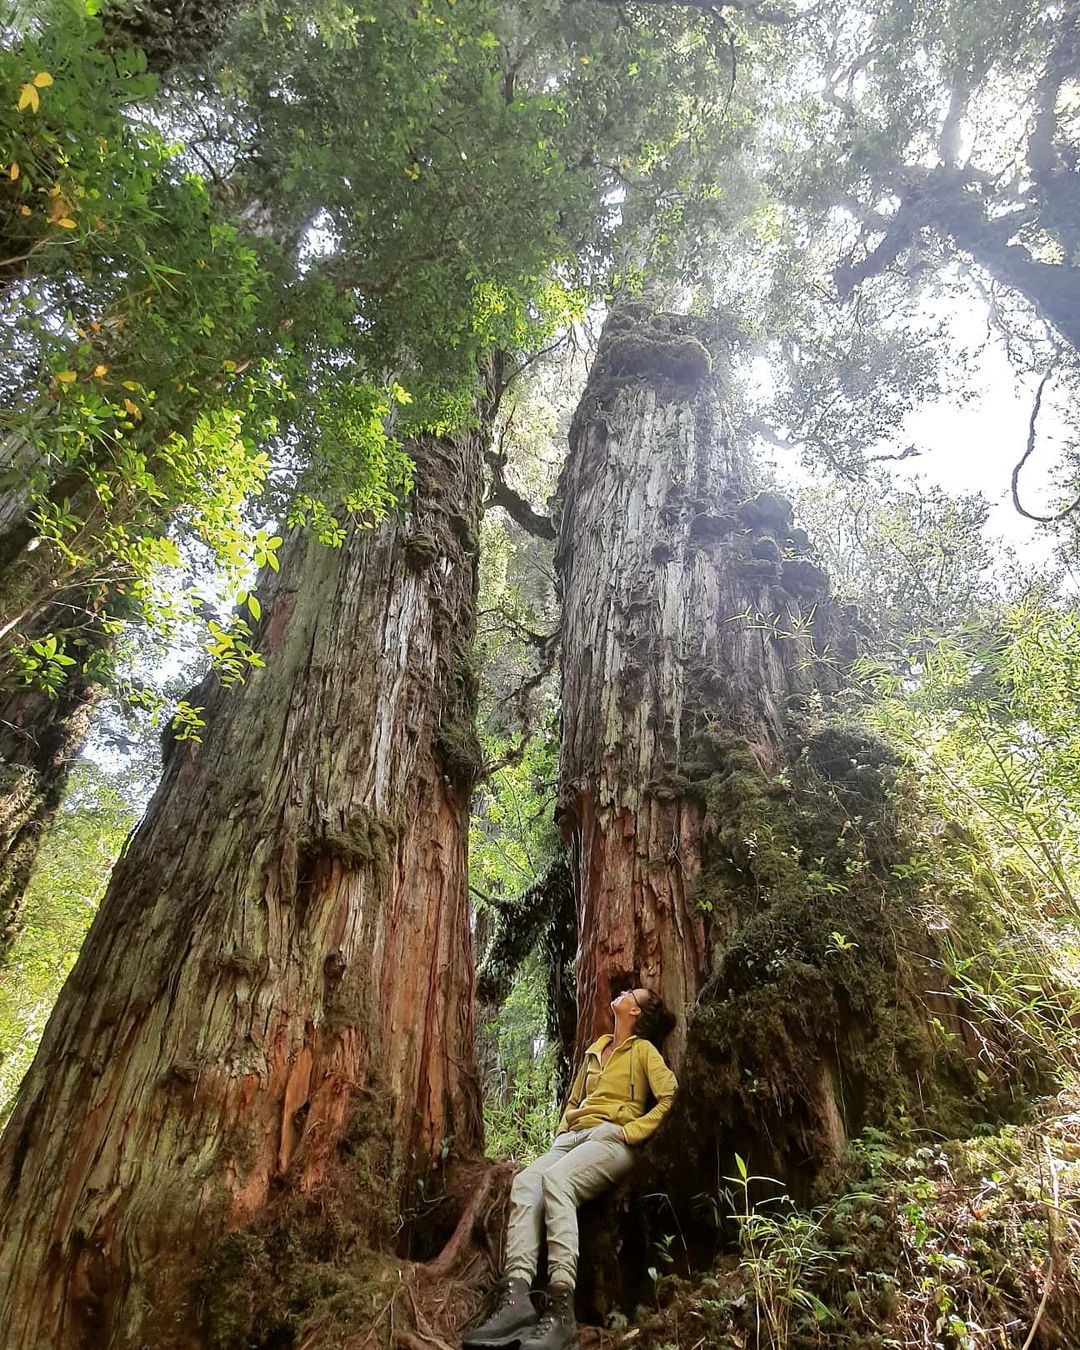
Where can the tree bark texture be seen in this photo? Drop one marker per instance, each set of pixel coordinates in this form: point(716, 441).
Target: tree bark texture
point(735, 836)
point(172, 35)
point(40, 739)
point(284, 944)
point(662, 547)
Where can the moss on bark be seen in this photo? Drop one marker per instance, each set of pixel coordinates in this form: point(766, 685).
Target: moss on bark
point(310, 1256)
point(817, 1018)
point(640, 345)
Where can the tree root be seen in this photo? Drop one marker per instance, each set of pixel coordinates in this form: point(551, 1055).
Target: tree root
point(450, 1256)
point(367, 1296)
point(406, 1340)
point(448, 1291)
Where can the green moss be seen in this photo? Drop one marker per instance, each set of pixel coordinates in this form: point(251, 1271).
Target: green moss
point(366, 837)
point(816, 1005)
point(802, 578)
point(765, 548)
point(260, 1287)
point(641, 345)
point(465, 533)
point(922, 1230)
point(310, 1260)
point(457, 744)
point(657, 355)
point(710, 528)
point(766, 511)
point(460, 753)
point(750, 846)
point(422, 548)
point(798, 541)
point(757, 569)
point(453, 535)
point(842, 744)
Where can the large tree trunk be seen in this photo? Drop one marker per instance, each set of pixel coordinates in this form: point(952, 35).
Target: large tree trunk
point(40, 739)
point(285, 943)
point(41, 735)
point(733, 844)
point(662, 546)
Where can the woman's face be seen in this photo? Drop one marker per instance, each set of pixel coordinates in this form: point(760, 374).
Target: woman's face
point(630, 1001)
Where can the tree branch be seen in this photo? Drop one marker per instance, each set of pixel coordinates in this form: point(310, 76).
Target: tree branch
point(900, 232)
point(949, 139)
point(1060, 515)
point(714, 9)
point(908, 452)
point(942, 200)
point(516, 507)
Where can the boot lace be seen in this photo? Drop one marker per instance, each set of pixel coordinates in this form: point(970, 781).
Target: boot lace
point(553, 1314)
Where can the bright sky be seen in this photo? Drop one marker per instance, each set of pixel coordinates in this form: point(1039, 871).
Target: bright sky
point(973, 444)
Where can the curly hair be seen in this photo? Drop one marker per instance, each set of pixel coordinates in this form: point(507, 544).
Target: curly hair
point(655, 1022)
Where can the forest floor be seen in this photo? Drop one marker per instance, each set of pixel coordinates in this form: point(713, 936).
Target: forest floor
point(927, 1243)
point(958, 1244)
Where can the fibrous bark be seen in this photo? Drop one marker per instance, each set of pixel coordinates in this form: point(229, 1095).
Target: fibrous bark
point(41, 735)
point(737, 842)
point(40, 739)
point(663, 545)
point(171, 35)
point(285, 942)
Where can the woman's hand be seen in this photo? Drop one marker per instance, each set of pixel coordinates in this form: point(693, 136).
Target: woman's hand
point(609, 1130)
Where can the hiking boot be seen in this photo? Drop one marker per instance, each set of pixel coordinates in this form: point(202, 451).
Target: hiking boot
point(514, 1318)
point(556, 1329)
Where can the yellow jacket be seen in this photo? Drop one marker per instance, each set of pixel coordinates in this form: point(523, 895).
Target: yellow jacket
point(617, 1091)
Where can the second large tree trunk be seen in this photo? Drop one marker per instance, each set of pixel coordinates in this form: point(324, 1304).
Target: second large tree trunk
point(40, 739)
point(735, 843)
point(663, 546)
point(41, 735)
point(284, 948)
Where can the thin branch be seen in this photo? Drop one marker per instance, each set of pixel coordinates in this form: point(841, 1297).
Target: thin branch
point(567, 335)
point(541, 641)
point(768, 433)
point(1036, 407)
point(1048, 1284)
point(22, 257)
point(909, 452)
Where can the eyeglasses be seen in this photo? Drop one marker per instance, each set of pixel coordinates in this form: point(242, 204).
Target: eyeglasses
point(636, 999)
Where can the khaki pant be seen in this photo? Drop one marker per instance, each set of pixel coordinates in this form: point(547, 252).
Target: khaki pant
point(579, 1165)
